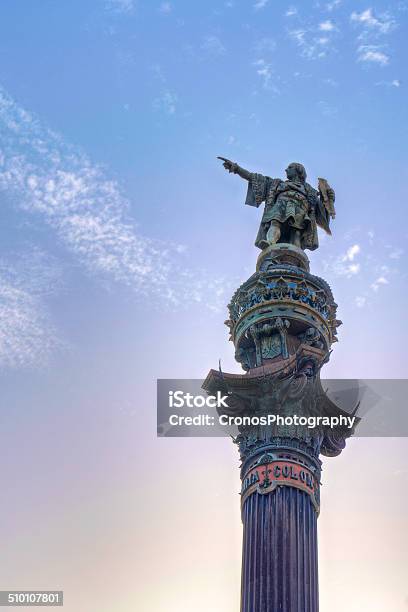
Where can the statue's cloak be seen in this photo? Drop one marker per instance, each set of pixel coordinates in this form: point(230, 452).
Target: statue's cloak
point(304, 212)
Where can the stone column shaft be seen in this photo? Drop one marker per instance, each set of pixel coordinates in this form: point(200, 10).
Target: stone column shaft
point(279, 561)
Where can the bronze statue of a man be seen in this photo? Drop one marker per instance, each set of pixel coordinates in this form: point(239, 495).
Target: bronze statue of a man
point(293, 208)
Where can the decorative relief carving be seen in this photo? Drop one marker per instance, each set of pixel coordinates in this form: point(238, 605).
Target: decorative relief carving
point(285, 293)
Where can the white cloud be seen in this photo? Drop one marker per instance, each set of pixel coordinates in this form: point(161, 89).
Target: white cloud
point(165, 8)
point(381, 280)
point(27, 335)
point(372, 256)
point(265, 45)
point(395, 83)
point(372, 54)
point(89, 214)
point(326, 109)
point(340, 267)
point(396, 253)
point(352, 252)
point(291, 12)
point(360, 301)
point(330, 6)
point(260, 4)
point(121, 6)
point(327, 26)
point(383, 24)
point(345, 264)
point(353, 269)
point(167, 102)
point(372, 26)
point(158, 73)
point(213, 46)
point(312, 46)
point(298, 36)
point(263, 69)
point(331, 82)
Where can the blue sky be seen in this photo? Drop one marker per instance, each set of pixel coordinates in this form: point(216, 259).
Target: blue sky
point(122, 239)
point(136, 99)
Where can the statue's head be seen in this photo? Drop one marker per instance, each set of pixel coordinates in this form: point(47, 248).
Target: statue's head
point(295, 172)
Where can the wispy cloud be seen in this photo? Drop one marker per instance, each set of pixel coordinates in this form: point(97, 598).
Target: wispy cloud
point(298, 36)
point(381, 280)
point(327, 26)
point(265, 45)
point(165, 8)
point(158, 73)
point(372, 26)
point(124, 7)
point(89, 214)
point(352, 269)
point(360, 301)
point(291, 12)
point(166, 102)
point(260, 4)
point(364, 268)
point(341, 268)
point(352, 252)
point(213, 46)
point(311, 43)
point(264, 70)
point(396, 83)
point(345, 264)
point(331, 82)
point(27, 334)
point(328, 110)
point(330, 6)
point(372, 54)
point(382, 24)
point(396, 253)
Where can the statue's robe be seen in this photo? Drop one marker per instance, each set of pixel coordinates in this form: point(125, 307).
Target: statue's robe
point(296, 205)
